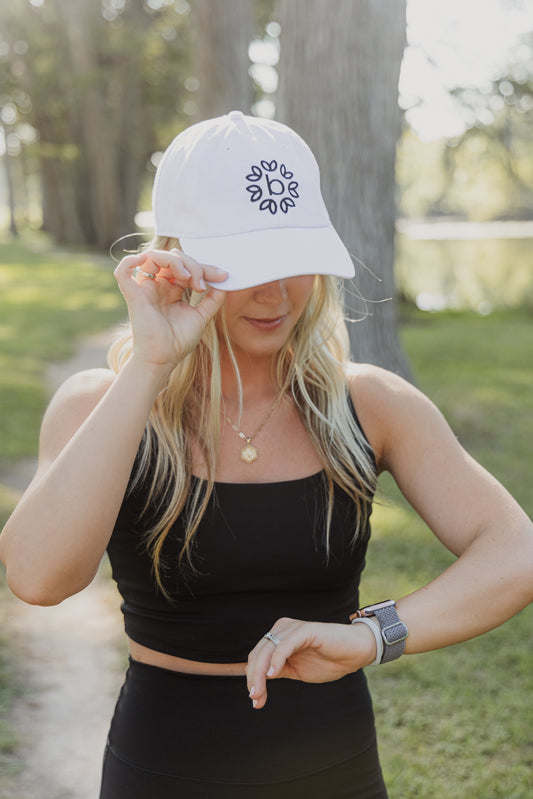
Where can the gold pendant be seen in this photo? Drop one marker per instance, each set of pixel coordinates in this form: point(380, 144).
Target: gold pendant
point(248, 454)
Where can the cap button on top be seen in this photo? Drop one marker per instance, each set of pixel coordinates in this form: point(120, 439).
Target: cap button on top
point(235, 116)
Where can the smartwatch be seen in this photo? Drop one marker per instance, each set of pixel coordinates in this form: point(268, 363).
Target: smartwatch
point(393, 630)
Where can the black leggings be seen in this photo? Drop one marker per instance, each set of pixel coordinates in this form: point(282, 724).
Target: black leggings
point(180, 736)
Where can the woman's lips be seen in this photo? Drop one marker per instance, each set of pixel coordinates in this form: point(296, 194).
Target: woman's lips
point(265, 324)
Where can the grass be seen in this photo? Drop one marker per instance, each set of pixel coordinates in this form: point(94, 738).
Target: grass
point(452, 724)
point(457, 722)
point(9, 688)
point(48, 299)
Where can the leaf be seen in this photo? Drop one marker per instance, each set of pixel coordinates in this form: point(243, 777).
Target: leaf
point(286, 203)
point(292, 189)
point(256, 192)
point(269, 205)
point(255, 174)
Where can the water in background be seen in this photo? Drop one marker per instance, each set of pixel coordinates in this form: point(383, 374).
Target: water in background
point(464, 265)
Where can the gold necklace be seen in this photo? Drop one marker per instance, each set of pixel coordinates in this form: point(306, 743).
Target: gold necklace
point(249, 452)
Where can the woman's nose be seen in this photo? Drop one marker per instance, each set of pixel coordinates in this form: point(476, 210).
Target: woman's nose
point(275, 291)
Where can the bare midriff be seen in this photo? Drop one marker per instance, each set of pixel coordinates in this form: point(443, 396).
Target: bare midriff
point(153, 658)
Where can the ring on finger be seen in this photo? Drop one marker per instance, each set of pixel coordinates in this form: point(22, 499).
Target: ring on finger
point(139, 271)
point(272, 637)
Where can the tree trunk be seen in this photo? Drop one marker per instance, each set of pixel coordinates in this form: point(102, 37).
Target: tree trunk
point(339, 70)
point(134, 135)
point(59, 201)
point(10, 187)
point(100, 199)
point(221, 34)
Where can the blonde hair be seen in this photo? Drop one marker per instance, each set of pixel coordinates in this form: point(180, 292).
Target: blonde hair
point(311, 367)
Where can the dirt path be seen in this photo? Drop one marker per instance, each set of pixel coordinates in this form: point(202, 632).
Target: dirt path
point(71, 659)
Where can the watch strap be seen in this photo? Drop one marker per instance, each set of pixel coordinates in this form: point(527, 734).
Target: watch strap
point(393, 631)
point(374, 626)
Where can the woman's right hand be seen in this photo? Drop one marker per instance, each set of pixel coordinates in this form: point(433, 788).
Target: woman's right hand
point(166, 327)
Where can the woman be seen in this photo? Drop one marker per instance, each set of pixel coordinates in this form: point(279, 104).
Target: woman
point(228, 463)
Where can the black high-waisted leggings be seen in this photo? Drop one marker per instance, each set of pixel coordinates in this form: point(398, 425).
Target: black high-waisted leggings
point(181, 736)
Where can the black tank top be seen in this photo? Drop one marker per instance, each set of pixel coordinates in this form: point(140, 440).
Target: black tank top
point(260, 552)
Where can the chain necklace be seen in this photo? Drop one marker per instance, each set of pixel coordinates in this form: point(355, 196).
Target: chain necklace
point(249, 452)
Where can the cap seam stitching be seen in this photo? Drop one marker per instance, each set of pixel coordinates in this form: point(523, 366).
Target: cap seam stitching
point(244, 232)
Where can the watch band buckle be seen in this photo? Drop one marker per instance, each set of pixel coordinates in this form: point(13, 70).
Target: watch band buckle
point(391, 641)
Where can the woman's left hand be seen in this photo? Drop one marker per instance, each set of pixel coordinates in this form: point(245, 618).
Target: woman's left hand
point(308, 651)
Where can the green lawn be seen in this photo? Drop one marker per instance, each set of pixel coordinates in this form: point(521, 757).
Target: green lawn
point(454, 724)
point(457, 723)
point(49, 297)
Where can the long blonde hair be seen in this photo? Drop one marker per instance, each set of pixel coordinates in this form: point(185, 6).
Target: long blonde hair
point(311, 367)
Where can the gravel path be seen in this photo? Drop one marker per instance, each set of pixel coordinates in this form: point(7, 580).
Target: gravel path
point(72, 659)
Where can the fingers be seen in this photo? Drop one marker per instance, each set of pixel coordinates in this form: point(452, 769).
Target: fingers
point(268, 659)
point(173, 266)
point(211, 303)
point(200, 273)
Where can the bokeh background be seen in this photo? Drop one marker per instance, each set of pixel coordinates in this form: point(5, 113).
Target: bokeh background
point(420, 115)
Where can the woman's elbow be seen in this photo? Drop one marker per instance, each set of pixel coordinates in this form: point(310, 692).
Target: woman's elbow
point(33, 590)
point(33, 594)
point(521, 577)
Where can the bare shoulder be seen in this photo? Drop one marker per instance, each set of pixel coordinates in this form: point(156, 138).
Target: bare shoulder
point(366, 379)
point(388, 407)
point(82, 390)
point(72, 403)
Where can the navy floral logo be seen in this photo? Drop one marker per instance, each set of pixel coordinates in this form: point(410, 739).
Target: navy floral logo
point(272, 186)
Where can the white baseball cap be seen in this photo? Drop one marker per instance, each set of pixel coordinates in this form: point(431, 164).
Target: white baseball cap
point(243, 193)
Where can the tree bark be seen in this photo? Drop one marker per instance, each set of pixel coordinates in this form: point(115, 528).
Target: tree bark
point(100, 211)
point(339, 70)
point(221, 34)
point(10, 186)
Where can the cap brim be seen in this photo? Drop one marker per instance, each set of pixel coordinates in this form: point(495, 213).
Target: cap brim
point(261, 256)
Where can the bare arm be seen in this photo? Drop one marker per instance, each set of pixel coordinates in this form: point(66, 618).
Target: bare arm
point(467, 509)
point(470, 512)
point(53, 542)
point(55, 538)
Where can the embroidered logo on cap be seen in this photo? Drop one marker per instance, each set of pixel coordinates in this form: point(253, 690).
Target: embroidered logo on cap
point(272, 187)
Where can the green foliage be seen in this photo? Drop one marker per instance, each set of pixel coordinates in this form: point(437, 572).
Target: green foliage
point(95, 84)
point(48, 298)
point(469, 178)
point(487, 172)
point(421, 177)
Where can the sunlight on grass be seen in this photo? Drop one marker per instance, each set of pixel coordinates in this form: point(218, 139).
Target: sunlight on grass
point(50, 297)
point(457, 722)
point(452, 724)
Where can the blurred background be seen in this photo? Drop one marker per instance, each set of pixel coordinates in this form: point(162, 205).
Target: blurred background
point(92, 92)
point(420, 115)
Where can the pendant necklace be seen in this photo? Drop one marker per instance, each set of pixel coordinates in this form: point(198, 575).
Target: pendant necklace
point(249, 452)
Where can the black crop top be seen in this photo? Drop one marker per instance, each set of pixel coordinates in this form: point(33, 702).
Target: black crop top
point(261, 555)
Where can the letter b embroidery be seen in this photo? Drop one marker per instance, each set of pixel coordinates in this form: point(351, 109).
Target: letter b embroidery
point(272, 187)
